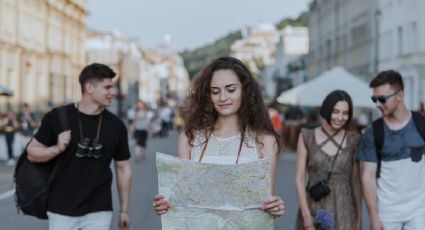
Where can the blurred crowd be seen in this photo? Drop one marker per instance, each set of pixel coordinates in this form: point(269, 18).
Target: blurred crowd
point(16, 129)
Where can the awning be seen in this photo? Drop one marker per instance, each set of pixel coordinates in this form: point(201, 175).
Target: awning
point(4, 91)
point(312, 93)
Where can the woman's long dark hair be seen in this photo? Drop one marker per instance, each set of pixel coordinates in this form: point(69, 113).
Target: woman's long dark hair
point(199, 112)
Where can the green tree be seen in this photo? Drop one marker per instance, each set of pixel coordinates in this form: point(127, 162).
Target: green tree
point(195, 59)
point(301, 20)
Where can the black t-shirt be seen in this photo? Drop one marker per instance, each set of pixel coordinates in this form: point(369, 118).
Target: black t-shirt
point(83, 185)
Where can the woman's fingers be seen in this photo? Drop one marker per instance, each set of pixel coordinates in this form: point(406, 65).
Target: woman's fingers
point(158, 197)
point(274, 206)
point(271, 203)
point(160, 204)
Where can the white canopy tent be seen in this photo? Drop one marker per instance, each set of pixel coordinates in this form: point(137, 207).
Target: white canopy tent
point(4, 91)
point(312, 93)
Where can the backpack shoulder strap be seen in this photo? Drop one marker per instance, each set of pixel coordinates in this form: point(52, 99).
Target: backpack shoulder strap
point(63, 119)
point(419, 121)
point(378, 140)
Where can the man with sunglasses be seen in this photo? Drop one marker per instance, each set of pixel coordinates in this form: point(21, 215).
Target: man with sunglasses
point(392, 176)
point(79, 196)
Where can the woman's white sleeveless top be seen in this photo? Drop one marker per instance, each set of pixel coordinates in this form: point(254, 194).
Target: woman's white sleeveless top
point(224, 150)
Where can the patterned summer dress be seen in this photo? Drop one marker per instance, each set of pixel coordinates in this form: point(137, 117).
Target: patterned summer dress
point(340, 202)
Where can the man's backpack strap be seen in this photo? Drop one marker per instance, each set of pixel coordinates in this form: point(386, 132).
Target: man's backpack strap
point(419, 121)
point(378, 140)
point(378, 135)
point(63, 119)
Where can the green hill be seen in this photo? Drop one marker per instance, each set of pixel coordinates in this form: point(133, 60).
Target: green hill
point(195, 59)
point(302, 20)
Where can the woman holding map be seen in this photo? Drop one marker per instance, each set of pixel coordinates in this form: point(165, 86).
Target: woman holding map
point(327, 155)
point(226, 122)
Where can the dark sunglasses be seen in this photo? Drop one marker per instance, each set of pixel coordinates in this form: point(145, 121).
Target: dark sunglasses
point(381, 98)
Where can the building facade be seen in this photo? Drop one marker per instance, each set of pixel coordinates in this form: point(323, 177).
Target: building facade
point(257, 47)
point(291, 48)
point(41, 50)
point(148, 75)
point(341, 34)
point(402, 46)
point(123, 55)
point(163, 76)
point(366, 37)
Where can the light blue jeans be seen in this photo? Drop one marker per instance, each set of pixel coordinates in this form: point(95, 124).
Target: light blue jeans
point(90, 221)
point(415, 223)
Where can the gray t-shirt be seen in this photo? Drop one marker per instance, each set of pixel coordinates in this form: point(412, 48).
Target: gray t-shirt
point(401, 188)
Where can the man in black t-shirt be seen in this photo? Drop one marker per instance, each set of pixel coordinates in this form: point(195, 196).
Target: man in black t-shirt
point(80, 194)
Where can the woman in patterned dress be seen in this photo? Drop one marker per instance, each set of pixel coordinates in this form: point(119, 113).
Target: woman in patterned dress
point(330, 148)
point(226, 122)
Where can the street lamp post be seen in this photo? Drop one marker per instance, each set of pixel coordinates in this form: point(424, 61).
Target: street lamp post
point(377, 20)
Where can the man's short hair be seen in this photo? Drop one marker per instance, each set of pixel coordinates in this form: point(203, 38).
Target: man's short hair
point(94, 73)
point(388, 77)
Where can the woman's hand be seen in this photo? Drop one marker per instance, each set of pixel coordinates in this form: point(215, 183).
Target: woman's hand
point(308, 223)
point(124, 221)
point(274, 206)
point(160, 204)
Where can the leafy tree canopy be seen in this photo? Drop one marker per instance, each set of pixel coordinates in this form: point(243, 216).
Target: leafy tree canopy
point(302, 20)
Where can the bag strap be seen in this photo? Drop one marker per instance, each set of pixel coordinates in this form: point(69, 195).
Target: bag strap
point(336, 156)
point(378, 135)
point(419, 121)
point(353, 143)
point(329, 137)
point(63, 119)
point(378, 140)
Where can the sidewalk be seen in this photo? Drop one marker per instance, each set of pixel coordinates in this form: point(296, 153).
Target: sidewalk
point(6, 172)
point(6, 178)
point(288, 156)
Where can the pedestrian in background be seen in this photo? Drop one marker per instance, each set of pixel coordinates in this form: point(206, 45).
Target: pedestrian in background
point(226, 122)
point(80, 196)
point(165, 113)
point(327, 154)
point(130, 114)
point(28, 124)
point(393, 176)
point(178, 120)
point(142, 122)
point(276, 119)
point(10, 126)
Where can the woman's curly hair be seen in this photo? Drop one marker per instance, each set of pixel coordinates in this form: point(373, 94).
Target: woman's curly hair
point(199, 112)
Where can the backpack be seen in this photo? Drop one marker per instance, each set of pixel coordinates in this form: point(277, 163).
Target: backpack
point(378, 135)
point(32, 180)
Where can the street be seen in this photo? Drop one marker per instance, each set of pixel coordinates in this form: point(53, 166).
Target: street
point(145, 187)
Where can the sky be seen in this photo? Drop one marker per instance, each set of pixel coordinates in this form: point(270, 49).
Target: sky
point(187, 23)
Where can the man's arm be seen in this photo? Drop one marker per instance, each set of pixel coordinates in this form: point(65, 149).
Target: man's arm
point(368, 175)
point(123, 176)
point(38, 152)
